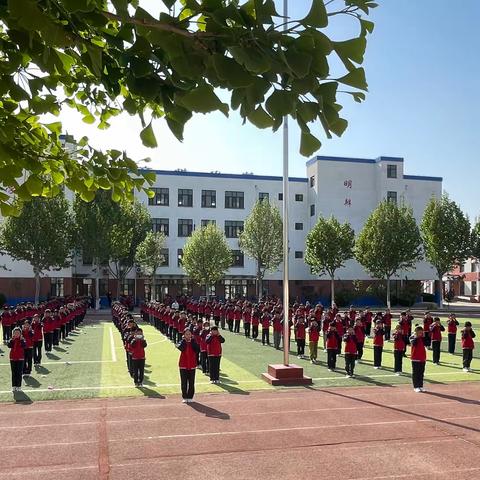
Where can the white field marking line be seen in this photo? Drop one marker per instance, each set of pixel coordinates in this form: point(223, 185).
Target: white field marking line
point(25, 472)
point(404, 375)
point(112, 346)
point(234, 415)
point(62, 362)
point(290, 429)
point(429, 474)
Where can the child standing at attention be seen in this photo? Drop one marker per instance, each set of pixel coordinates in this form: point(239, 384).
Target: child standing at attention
point(418, 355)
point(467, 345)
point(359, 330)
point(214, 349)
point(399, 348)
point(137, 350)
point(378, 333)
point(313, 337)
point(299, 329)
point(350, 351)
point(17, 347)
point(436, 330)
point(187, 364)
point(452, 325)
point(333, 340)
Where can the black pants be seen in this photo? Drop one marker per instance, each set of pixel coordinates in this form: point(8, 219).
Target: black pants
point(418, 371)
point(254, 331)
point(27, 362)
point(129, 364)
point(350, 363)
point(368, 328)
point(56, 336)
point(222, 323)
point(187, 379)
point(359, 351)
point(230, 325)
point(246, 326)
point(377, 356)
point(436, 351)
point(427, 339)
point(467, 357)
point(301, 346)
point(37, 352)
point(406, 340)
point(266, 336)
point(63, 332)
point(48, 337)
point(204, 361)
point(398, 363)
point(138, 369)
point(17, 370)
point(388, 330)
point(452, 338)
point(216, 319)
point(214, 365)
point(331, 358)
point(236, 328)
point(7, 332)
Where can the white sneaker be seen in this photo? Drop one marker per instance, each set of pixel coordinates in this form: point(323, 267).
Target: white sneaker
point(357, 362)
point(330, 370)
point(422, 389)
point(398, 373)
point(376, 368)
point(184, 400)
point(466, 369)
point(416, 390)
point(347, 376)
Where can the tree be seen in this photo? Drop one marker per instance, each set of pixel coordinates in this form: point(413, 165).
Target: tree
point(389, 241)
point(329, 245)
point(103, 58)
point(206, 256)
point(110, 232)
point(261, 239)
point(476, 240)
point(150, 255)
point(446, 237)
point(41, 235)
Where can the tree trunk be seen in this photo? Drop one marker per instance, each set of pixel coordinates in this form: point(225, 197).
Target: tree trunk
point(440, 288)
point(37, 285)
point(388, 292)
point(332, 290)
point(97, 287)
point(207, 291)
point(259, 282)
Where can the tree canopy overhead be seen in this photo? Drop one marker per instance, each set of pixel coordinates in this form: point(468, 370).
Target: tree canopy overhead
point(104, 57)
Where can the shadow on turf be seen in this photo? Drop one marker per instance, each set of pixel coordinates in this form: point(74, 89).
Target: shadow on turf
point(209, 411)
point(59, 349)
point(21, 397)
point(42, 370)
point(148, 392)
point(31, 382)
point(52, 356)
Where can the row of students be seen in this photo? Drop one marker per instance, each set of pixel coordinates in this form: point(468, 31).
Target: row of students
point(26, 341)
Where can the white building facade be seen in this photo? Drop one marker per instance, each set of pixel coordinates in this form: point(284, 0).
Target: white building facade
point(348, 188)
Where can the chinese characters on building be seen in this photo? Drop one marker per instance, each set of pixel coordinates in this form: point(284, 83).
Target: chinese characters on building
point(348, 201)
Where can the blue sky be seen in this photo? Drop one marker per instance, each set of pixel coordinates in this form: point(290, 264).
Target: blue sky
point(423, 70)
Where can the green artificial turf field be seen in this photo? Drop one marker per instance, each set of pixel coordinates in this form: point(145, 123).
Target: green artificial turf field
point(91, 363)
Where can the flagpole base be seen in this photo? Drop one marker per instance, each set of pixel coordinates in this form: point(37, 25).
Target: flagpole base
point(286, 375)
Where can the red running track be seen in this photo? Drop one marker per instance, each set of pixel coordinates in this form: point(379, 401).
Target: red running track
point(344, 433)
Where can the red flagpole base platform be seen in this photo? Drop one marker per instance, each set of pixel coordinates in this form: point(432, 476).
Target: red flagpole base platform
point(286, 375)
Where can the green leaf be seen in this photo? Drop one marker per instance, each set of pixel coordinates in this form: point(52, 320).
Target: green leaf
point(281, 103)
point(353, 49)
point(309, 144)
point(298, 62)
point(317, 16)
point(150, 177)
point(34, 185)
point(148, 137)
point(260, 118)
point(367, 26)
point(355, 78)
point(89, 119)
point(203, 100)
point(57, 177)
point(252, 59)
point(230, 71)
point(87, 195)
point(55, 127)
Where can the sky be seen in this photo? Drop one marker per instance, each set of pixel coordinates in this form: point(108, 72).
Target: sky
point(423, 70)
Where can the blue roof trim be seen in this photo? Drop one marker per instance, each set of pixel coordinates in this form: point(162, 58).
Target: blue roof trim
point(353, 160)
point(224, 175)
point(389, 159)
point(425, 179)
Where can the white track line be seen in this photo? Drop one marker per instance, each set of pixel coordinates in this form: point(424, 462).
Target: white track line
point(415, 474)
point(112, 346)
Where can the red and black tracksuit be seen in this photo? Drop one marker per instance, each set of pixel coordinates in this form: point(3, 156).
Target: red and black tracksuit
point(399, 348)
point(203, 350)
point(27, 334)
point(387, 325)
point(418, 355)
point(48, 329)
point(299, 329)
point(467, 345)
point(187, 364)
point(266, 328)
point(436, 340)
point(360, 336)
point(17, 349)
point(452, 326)
point(378, 333)
point(350, 353)
point(137, 351)
point(37, 342)
point(333, 339)
point(214, 350)
point(427, 338)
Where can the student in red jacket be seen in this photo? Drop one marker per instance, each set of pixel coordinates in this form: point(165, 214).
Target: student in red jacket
point(427, 323)
point(27, 334)
point(452, 326)
point(418, 355)
point(313, 337)
point(203, 347)
point(350, 351)
point(48, 328)
point(467, 345)
point(265, 319)
point(359, 330)
point(299, 329)
point(333, 338)
point(387, 324)
point(399, 348)
point(137, 350)
point(187, 364)
point(255, 322)
point(436, 330)
point(214, 349)
point(378, 340)
point(17, 348)
point(37, 339)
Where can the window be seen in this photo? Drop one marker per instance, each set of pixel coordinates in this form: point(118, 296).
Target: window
point(280, 197)
point(128, 287)
point(312, 210)
point(474, 288)
point(87, 259)
point(209, 198)
point(179, 257)
point(185, 227)
point(391, 171)
point(392, 197)
point(161, 197)
point(233, 228)
point(56, 287)
point(234, 200)
point(312, 181)
point(208, 222)
point(299, 226)
point(166, 255)
point(185, 197)
point(263, 196)
point(299, 197)
point(103, 286)
point(461, 267)
point(298, 254)
point(238, 258)
point(161, 225)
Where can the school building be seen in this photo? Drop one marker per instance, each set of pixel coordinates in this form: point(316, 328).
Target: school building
point(348, 188)
point(464, 281)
